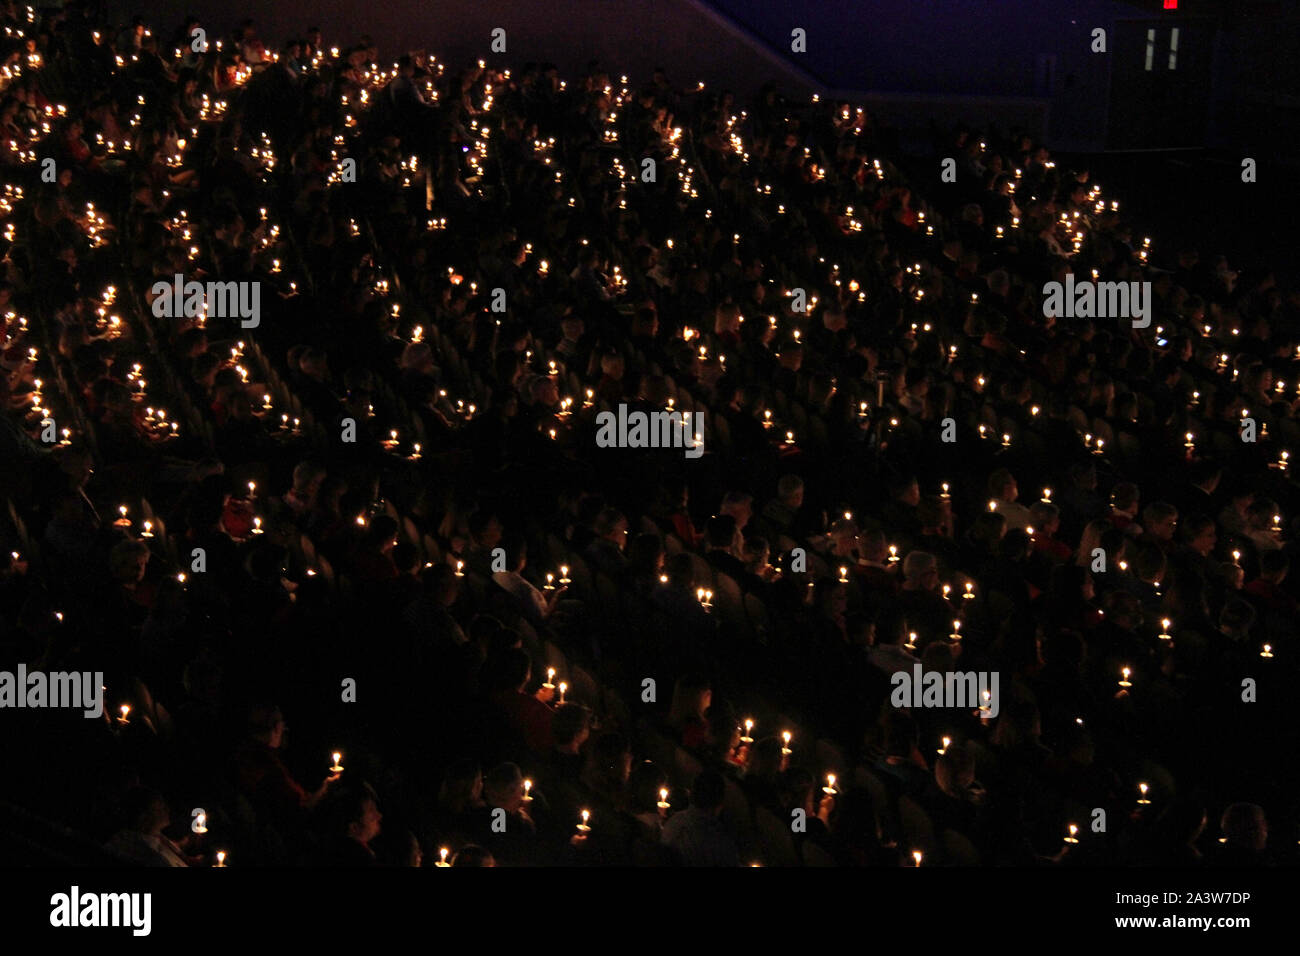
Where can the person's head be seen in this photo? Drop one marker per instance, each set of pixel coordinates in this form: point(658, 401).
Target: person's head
point(722, 533)
point(570, 727)
point(266, 724)
point(920, 571)
point(900, 735)
point(462, 786)
point(739, 506)
point(308, 476)
point(145, 810)
point(1201, 535)
point(790, 490)
point(906, 490)
point(1160, 519)
point(1273, 566)
point(1002, 485)
point(128, 562)
point(692, 697)
point(610, 762)
point(1150, 564)
point(1124, 498)
point(1236, 619)
point(709, 791)
point(485, 529)
point(611, 525)
point(473, 855)
point(1245, 827)
point(954, 771)
point(359, 814)
point(504, 787)
point(1045, 518)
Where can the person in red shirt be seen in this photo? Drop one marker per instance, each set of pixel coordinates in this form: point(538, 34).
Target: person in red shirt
point(526, 715)
point(262, 776)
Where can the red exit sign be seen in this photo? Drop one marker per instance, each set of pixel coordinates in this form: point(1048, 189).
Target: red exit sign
point(1171, 4)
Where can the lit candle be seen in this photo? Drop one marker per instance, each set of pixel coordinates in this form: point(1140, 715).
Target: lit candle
point(126, 711)
point(785, 749)
point(564, 574)
point(550, 583)
point(123, 521)
point(663, 799)
point(562, 688)
point(550, 677)
point(148, 530)
point(582, 827)
point(749, 727)
point(257, 526)
point(443, 851)
point(986, 708)
point(1047, 496)
point(1072, 838)
point(252, 490)
point(460, 569)
point(829, 789)
point(893, 554)
point(1142, 789)
point(970, 592)
point(201, 823)
point(911, 641)
point(944, 749)
point(1236, 558)
point(221, 859)
point(917, 856)
point(844, 574)
point(1267, 651)
point(528, 787)
point(1164, 628)
point(956, 630)
point(1124, 677)
point(338, 767)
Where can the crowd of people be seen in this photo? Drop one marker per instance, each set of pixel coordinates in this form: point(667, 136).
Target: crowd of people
point(377, 509)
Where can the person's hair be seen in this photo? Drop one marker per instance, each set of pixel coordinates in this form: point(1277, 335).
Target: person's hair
point(502, 777)
point(1158, 511)
point(348, 806)
point(513, 665)
point(916, 564)
point(140, 808)
point(721, 531)
point(789, 485)
point(709, 790)
point(1197, 525)
point(688, 698)
point(1150, 562)
point(1124, 495)
point(473, 855)
point(900, 735)
point(122, 559)
point(1237, 615)
point(607, 521)
point(999, 480)
point(1273, 562)
point(305, 472)
point(930, 511)
point(1043, 513)
point(458, 785)
point(568, 721)
point(1243, 824)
